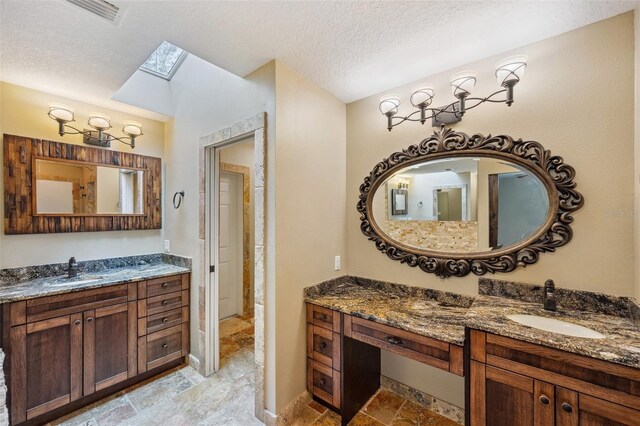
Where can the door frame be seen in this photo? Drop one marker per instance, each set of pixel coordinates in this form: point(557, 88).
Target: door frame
point(208, 361)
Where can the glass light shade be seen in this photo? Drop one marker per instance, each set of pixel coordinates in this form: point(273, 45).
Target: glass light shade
point(389, 104)
point(510, 70)
point(422, 95)
point(462, 83)
point(132, 128)
point(99, 121)
point(61, 113)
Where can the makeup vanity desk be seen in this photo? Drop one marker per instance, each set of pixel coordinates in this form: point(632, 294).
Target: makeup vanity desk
point(350, 319)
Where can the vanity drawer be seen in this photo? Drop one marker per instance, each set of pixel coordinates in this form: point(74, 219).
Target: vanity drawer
point(163, 285)
point(414, 346)
point(323, 317)
point(323, 382)
point(162, 347)
point(162, 303)
point(69, 303)
point(157, 322)
point(323, 346)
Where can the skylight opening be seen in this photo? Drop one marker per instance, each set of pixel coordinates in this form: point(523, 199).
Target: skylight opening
point(164, 61)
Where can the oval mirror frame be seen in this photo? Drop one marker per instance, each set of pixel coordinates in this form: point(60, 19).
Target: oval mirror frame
point(556, 176)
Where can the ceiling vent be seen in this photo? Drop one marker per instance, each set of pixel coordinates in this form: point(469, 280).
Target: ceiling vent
point(105, 10)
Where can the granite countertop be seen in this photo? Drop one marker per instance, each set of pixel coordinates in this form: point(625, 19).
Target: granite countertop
point(431, 313)
point(444, 315)
point(610, 315)
point(109, 273)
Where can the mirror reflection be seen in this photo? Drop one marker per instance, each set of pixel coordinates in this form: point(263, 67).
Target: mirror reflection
point(461, 205)
point(74, 188)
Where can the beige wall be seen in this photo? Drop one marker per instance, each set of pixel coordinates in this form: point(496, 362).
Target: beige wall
point(24, 112)
point(577, 100)
point(636, 179)
point(310, 221)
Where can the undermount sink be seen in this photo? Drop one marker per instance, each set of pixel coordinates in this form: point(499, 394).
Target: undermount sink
point(82, 279)
point(556, 326)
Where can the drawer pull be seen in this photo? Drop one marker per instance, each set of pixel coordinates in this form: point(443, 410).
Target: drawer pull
point(165, 285)
point(165, 320)
point(323, 381)
point(544, 399)
point(165, 302)
point(323, 317)
point(323, 345)
point(395, 340)
point(165, 346)
point(567, 407)
point(77, 322)
point(90, 319)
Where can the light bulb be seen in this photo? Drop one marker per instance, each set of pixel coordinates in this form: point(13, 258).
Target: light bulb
point(389, 104)
point(510, 70)
point(422, 96)
point(99, 122)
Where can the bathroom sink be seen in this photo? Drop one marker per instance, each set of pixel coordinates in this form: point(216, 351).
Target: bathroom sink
point(82, 279)
point(556, 326)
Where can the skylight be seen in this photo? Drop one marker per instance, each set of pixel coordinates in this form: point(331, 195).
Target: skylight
point(164, 61)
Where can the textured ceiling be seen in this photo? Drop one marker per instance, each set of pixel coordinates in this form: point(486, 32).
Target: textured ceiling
point(351, 49)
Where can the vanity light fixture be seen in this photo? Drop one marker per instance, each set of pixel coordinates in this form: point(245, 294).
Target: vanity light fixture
point(508, 73)
point(100, 123)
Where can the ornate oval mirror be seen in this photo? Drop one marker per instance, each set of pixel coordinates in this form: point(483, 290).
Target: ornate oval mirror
point(456, 204)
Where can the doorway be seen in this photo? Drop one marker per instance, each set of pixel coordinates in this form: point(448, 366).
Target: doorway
point(232, 249)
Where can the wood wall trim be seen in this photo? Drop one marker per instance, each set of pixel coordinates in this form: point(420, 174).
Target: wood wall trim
point(20, 218)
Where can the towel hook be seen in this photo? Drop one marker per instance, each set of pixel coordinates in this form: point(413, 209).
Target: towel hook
point(177, 199)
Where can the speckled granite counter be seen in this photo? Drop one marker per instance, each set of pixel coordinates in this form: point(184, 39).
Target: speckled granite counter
point(431, 313)
point(608, 315)
point(31, 282)
point(443, 315)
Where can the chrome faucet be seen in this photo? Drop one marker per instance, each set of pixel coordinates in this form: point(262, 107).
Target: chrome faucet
point(549, 296)
point(72, 272)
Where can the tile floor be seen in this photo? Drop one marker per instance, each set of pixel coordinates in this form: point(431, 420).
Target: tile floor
point(385, 408)
point(183, 397)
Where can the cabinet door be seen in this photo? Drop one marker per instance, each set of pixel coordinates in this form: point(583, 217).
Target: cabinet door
point(46, 366)
point(109, 346)
point(500, 397)
point(597, 412)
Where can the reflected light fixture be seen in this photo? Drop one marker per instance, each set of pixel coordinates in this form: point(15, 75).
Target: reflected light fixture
point(100, 123)
point(508, 73)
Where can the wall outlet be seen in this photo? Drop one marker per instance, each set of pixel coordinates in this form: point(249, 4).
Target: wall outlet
point(336, 263)
point(167, 246)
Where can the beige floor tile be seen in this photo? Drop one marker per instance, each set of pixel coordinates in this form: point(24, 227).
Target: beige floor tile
point(328, 419)
point(318, 407)
point(412, 414)
point(234, 325)
point(307, 417)
point(362, 419)
point(384, 406)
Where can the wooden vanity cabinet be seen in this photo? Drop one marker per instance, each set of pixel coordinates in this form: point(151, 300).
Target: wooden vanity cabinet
point(65, 351)
point(518, 383)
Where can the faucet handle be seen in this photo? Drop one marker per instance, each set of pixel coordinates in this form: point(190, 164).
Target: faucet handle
point(72, 261)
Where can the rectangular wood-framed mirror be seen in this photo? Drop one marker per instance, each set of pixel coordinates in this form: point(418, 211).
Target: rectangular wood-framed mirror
point(55, 187)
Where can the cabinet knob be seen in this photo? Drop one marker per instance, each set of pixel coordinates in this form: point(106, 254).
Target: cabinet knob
point(323, 317)
point(567, 407)
point(90, 319)
point(323, 381)
point(165, 319)
point(165, 346)
point(165, 285)
point(544, 399)
point(77, 322)
point(323, 345)
point(164, 302)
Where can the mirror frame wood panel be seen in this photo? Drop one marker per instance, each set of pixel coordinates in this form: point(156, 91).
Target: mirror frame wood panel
point(556, 176)
point(20, 217)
